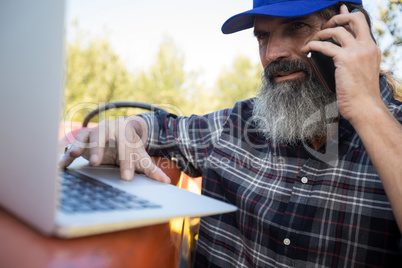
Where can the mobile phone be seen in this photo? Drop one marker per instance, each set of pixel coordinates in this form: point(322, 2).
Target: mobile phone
point(324, 67)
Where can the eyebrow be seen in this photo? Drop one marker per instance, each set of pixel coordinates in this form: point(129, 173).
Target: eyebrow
point(258, 32)
point(289, 20)
point(284, 21)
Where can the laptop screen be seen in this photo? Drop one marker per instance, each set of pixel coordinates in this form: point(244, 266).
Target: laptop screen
point(31, 83)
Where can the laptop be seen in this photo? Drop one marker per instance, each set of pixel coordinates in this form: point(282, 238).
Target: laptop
point(31, 186)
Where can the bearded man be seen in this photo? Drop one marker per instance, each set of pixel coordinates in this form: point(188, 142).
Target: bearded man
point(316, 177)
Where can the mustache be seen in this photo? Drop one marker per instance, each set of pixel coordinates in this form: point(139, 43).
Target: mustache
point(285, 65)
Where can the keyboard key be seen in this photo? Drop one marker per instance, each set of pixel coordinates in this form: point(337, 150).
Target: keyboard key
point(81, 195)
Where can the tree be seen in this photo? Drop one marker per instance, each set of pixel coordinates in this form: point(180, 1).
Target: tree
point(95, 75)
point(166, 82)
point(388, 32)
point(239, 82)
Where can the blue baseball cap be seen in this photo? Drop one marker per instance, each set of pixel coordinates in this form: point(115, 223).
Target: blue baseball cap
point(277, 8)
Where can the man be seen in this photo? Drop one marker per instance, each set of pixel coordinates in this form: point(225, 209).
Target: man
point(313, 188)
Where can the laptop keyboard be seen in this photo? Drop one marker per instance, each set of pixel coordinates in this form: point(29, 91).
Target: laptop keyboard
point(82, 195)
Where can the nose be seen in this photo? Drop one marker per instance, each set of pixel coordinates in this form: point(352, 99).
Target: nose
point(276, 49)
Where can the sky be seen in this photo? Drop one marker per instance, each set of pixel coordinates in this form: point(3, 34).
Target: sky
point(136, 28)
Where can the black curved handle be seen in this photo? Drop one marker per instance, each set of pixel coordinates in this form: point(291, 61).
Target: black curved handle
point(119, 104)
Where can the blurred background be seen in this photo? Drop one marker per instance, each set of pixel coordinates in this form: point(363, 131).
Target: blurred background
point(173, 54)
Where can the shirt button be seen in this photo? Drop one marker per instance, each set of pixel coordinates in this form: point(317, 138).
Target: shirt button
point(286, 241)
point(304, 180)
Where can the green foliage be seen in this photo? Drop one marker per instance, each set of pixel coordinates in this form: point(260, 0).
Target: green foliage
point(239, 82)
point(95, 75)
point(164, 83)
point(388, 32)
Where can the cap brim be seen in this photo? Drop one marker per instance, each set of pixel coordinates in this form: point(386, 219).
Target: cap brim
point(289, 9)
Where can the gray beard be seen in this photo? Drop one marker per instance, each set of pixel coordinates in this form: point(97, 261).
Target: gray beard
point(286, 112)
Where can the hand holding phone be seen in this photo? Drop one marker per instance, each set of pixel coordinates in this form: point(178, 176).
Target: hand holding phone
point(324, 67)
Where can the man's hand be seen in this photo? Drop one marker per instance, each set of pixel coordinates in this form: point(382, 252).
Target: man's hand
point(120, 142)
point(357, 61)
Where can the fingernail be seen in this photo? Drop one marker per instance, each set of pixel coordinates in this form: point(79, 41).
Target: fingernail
point(167, 179)
point(61, 163)
point(94, 159)
point(64, 158)
point(127, 175)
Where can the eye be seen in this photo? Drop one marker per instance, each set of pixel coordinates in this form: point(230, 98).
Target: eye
point(262, 38)
point(298, 25)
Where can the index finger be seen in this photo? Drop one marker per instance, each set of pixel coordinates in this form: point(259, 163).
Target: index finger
point(76, 149)
point(355, 21)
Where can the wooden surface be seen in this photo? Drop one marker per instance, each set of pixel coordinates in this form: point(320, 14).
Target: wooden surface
point(152, 246)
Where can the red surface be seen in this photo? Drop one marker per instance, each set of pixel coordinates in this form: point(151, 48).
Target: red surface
point(150, 246)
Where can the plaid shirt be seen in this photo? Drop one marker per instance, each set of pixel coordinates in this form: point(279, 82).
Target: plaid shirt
point(295, 210)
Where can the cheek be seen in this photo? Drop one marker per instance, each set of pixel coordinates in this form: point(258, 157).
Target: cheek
point(297, 46)
point(263, 58)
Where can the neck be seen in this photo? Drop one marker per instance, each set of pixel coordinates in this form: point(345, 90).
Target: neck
point(320, 141)
point(317, 143)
